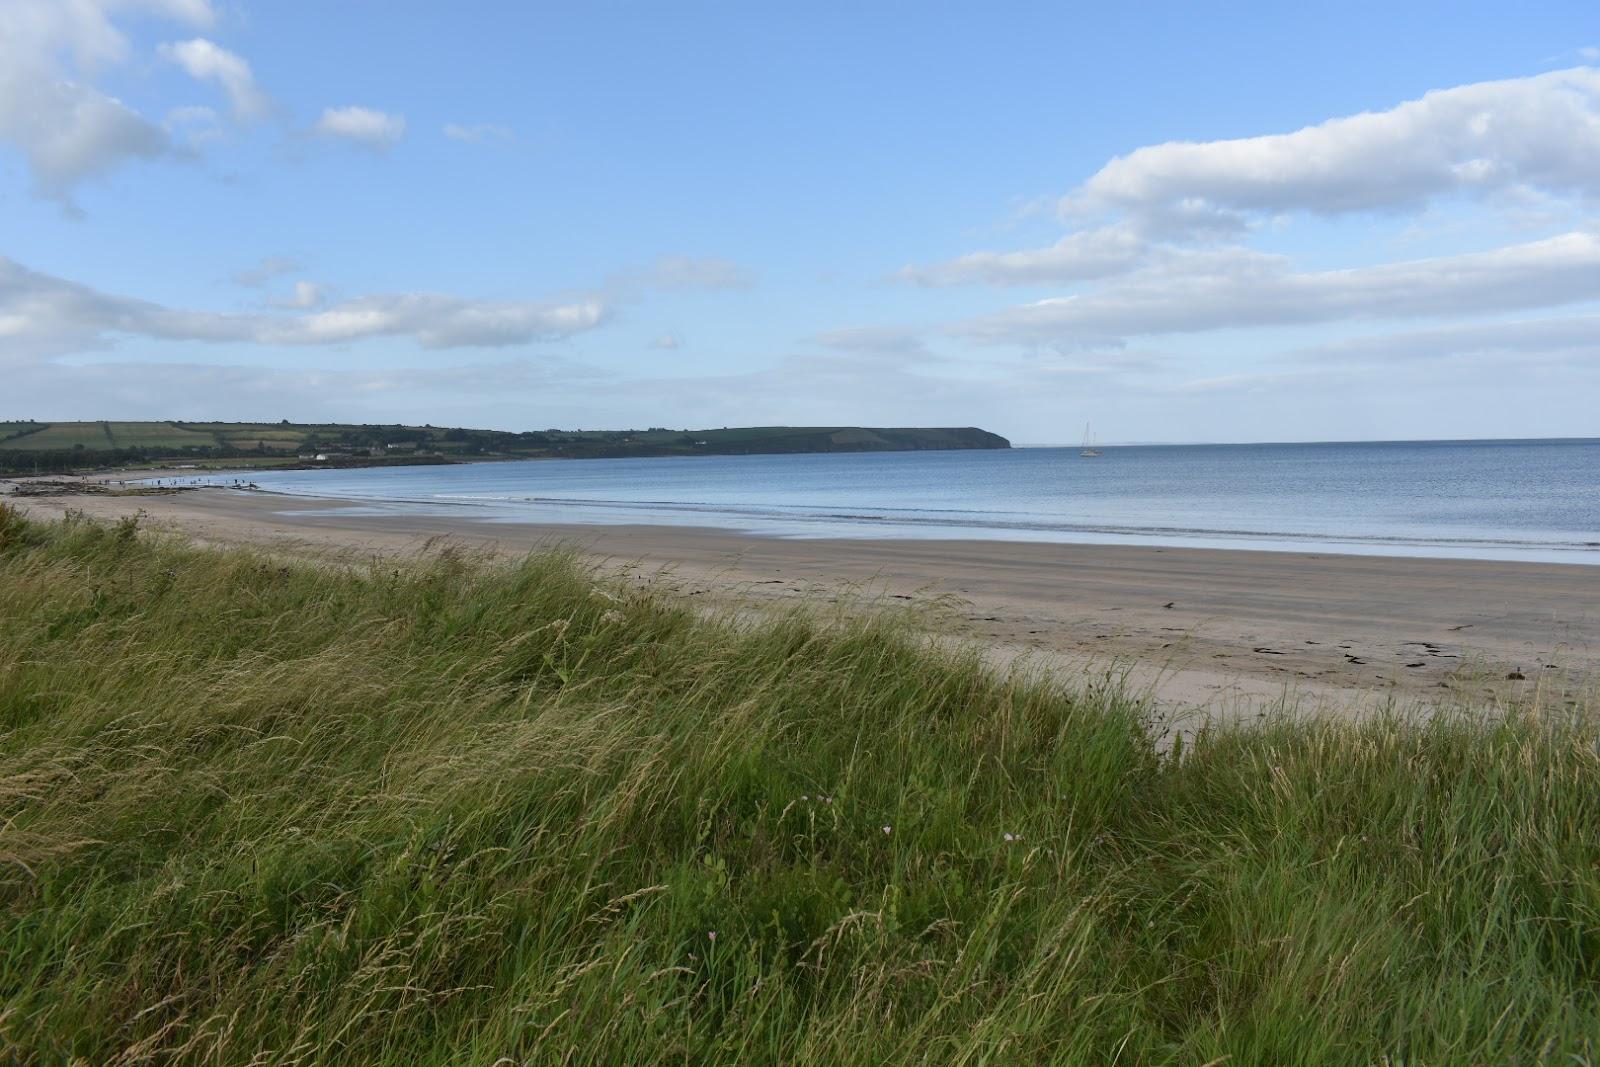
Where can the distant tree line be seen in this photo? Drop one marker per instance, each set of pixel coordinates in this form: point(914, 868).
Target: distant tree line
point(66, 460)
point(349, 446)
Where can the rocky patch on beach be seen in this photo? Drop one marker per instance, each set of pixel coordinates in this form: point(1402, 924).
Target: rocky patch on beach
point(62, 487)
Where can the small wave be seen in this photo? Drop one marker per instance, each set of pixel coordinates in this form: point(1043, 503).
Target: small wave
point(817, 519)
point(963, 520)
point(700, 505)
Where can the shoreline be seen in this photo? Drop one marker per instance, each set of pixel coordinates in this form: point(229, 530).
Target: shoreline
point(824, 525)
point(1226, 630)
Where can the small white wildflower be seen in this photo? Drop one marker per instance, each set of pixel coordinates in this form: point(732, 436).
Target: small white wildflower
point(711, 935)
point(803, 796)
point(612, 616)
point(887, 830)
point(1013, 837)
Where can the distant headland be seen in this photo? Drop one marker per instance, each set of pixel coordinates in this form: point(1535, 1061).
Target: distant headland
point(28, 446)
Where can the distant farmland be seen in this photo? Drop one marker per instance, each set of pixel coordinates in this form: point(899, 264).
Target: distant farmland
point(64, 445)
point(105, 435)
point(171, 436)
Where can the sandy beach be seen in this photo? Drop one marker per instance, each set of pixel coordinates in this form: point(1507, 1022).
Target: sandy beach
point(1215, 629)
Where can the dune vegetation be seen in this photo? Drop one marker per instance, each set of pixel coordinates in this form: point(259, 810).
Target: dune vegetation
point(454, 811)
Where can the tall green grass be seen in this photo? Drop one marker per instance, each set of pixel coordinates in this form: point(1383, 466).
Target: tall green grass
point(445, 812)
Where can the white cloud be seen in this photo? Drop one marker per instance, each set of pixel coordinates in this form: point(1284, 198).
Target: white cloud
point(1237, 287)
point(1087, 254)
point(70, 132)
point(207, 61)
point(473, 134)
point(374, 129)
point(42, 316)
point(1589, 53)
point(1488, 137)
point(1524, 141)
point(669, 341)
point(67, 130)
point(435, 321)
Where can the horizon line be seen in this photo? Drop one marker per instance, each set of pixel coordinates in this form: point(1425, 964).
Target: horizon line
point(1321, 441)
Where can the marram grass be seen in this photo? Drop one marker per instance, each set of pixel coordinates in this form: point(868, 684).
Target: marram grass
point(448, 812)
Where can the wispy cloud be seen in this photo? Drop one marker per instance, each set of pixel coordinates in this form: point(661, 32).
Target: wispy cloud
point(876, 341)
point(457, 393)
point(265, 270)
point(1088, 254)
point(686, 272)
point(1238, 287)
point(304, 295)
point(42, 316)
point(675, 274)
point(1520, 140)
point(207, 61)
point(477, 133)
point(193, 124)
point(362, 125)
point(1570, 339)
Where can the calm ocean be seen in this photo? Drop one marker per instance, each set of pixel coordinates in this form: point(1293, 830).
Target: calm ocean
point(1497, 500)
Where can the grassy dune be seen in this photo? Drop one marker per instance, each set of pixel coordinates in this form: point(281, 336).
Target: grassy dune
point(454, 813)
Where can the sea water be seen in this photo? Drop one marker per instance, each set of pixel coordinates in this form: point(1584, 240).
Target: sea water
point(1532, 500)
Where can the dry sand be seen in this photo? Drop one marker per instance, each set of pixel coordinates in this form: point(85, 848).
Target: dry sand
point(1225, 631)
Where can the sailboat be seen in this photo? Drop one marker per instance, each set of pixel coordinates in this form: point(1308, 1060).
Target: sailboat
point(1089, 451)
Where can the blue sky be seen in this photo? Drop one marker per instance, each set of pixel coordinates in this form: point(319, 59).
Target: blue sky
point(1243, 223)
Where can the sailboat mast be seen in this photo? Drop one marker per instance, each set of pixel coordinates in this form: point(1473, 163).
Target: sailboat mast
point(1088, 451)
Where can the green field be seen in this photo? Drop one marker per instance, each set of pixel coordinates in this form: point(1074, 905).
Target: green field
point(103, 435)
point(455, 812)
point(62, 435)
point(271, 431)
point(158, 435)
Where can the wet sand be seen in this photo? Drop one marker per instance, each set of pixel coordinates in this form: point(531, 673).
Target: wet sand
point(1217, 629)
